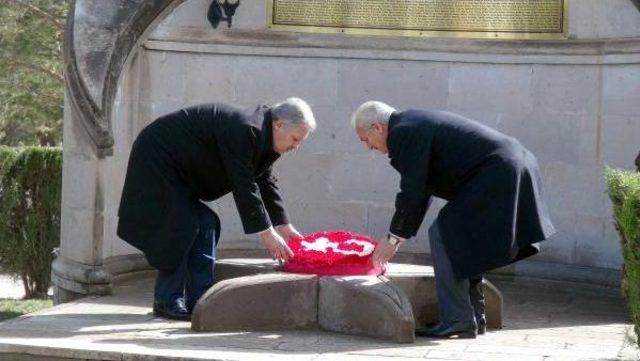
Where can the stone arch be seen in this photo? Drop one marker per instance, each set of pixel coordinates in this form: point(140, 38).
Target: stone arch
point(92, 71)
point(100, 40)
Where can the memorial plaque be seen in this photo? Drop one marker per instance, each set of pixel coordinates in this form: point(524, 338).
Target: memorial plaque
point(502, 19)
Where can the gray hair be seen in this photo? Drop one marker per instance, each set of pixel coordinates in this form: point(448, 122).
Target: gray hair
point(294, 111)
point(371, 112)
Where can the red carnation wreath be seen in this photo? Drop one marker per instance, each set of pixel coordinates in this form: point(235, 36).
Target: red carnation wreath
point(334, 253)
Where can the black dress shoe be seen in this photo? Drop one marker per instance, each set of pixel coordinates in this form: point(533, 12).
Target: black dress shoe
point(456, 330)
point(173, 311)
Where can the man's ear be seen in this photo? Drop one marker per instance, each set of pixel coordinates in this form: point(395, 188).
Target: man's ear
point(277, 124)
point(378, 127)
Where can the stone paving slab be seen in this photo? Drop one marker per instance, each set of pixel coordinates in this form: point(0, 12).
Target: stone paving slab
point(121, 327)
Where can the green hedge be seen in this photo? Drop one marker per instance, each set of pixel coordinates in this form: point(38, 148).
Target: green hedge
point(624, 190)
point(30, 187)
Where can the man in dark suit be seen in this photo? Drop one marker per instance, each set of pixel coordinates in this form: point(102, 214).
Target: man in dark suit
point(495, 211)
point(200, 154)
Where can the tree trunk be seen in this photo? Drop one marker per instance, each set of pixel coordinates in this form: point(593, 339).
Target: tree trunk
point(42, 287)
point(25, 284)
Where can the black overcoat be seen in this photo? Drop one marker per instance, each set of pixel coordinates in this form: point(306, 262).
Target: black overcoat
point(495, 210)
point(198, 153)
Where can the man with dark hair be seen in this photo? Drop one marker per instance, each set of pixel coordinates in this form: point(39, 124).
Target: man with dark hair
point(200, 154)
point(495, 211)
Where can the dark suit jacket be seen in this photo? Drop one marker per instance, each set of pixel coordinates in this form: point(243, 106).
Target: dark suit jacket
point(198, 153)
point(496, 209)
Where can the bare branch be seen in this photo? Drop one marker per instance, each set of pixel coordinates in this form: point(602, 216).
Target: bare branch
point(52, 19)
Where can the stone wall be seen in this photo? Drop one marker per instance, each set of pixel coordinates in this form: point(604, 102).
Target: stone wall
point(575, 103)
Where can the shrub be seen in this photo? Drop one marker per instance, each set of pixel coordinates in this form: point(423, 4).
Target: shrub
point(30, 187)
point(624, 191)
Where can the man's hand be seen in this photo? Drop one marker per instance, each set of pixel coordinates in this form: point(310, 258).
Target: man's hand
point(276, 246)
point(287, 231)
point(384, 251)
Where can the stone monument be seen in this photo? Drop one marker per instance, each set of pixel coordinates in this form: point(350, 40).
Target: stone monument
point(570, 94)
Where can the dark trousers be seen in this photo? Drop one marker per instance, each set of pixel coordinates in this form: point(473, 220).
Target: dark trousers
point(194, 276)
point(459, 301)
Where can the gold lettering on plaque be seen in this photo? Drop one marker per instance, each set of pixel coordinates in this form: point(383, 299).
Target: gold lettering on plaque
point(475, 16)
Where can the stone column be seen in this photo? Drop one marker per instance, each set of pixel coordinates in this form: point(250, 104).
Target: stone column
point(77, 270)
point(99, 38)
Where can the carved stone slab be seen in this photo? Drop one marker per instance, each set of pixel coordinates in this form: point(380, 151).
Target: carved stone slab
point(259, 302)
point(365, 305)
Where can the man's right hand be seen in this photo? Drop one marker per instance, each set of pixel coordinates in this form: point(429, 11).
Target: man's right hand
point(276, 246)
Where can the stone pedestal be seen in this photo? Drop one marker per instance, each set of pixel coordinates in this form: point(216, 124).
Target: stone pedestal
point(254, 294)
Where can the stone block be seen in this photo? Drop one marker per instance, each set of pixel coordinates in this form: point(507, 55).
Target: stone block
point(321, 216)
point(418, 283)
point(424, 83)
point(212, 78)
point(61, 295)
point(281, 77)
point(621, 90)
point(490, 88)
point(172, 85)
point(597, 246)
point(580, 240)
point(551, 135)
point(189, 15)
point(343, 304)
point(378, 219)
point(412, 292)
point(574, 190)
point(363, 177)
point(620, 136)
point(76, 226)
point(563, 89)
point(365, 305)
point(305, 177)
point(259, 302)
point(241, 267)
point(582, 19)
point(78, 180)
point(334, 134)
point(421, 291)
point(616, 19)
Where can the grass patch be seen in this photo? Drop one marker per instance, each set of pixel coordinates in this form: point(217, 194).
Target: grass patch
point(10, 308)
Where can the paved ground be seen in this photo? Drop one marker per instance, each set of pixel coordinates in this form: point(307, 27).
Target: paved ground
point(544, 321)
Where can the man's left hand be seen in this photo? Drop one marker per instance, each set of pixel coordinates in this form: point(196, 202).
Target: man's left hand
point(287, 231)
point(384, 252)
